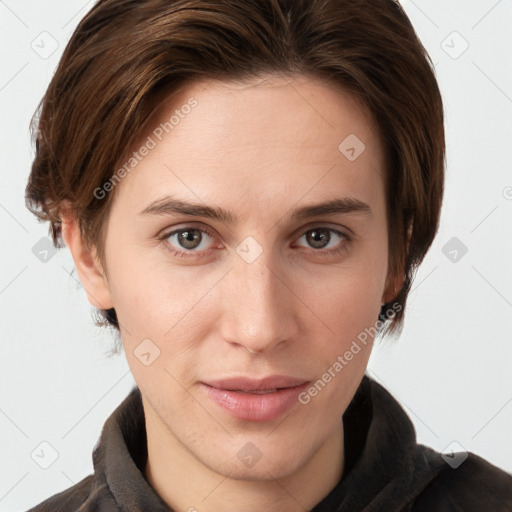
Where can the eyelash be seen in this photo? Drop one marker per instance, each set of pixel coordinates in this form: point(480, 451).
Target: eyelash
point(190, 254)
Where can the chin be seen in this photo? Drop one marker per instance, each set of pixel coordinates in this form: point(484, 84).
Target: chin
point(263, 471)
point(250, 463)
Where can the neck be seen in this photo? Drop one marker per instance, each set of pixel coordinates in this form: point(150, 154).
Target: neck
point(187, 485)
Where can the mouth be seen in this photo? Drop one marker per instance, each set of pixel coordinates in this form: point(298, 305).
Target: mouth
point(255, 399)
point(264, 392)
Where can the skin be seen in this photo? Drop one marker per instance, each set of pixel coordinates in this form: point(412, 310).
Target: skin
point(259, 149)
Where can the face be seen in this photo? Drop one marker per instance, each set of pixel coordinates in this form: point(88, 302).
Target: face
point(238, 328)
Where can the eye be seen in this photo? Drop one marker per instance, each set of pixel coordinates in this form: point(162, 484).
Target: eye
point(187, 241)
point(326, 240)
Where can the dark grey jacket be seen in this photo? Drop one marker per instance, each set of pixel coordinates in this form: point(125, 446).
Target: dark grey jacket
point(386, 470)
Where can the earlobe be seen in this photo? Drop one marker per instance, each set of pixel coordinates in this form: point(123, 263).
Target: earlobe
point(88, 267)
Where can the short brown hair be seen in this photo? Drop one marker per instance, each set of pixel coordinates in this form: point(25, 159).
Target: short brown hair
point(127, 53)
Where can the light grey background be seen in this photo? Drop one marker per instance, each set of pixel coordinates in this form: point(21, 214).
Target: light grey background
point(451, 369)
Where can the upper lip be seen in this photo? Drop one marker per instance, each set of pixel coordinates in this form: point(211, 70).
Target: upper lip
point(264, 384)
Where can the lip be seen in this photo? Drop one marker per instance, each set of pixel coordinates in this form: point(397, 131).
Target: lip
point(255, 399)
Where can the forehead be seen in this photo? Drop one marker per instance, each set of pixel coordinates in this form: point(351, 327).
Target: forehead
point(270, 137)
point(300, 109)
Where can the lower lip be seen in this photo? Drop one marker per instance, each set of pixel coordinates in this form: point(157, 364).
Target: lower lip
point(252, 406)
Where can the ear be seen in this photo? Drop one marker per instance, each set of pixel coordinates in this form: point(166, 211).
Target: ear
point(394, 283)
point(395, 280)
point(88, 266)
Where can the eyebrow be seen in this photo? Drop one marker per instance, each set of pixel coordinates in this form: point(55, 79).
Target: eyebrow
point(170, 205)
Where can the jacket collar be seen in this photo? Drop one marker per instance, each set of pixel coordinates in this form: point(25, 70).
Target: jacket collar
point(388, 469)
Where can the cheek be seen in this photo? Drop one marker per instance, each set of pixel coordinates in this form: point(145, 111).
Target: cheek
point(138, 301)
point(350, 293)
point(348, 304)
point(169, 306)
point(150, 294)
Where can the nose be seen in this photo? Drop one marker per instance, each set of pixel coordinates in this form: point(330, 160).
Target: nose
point(260, 310)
